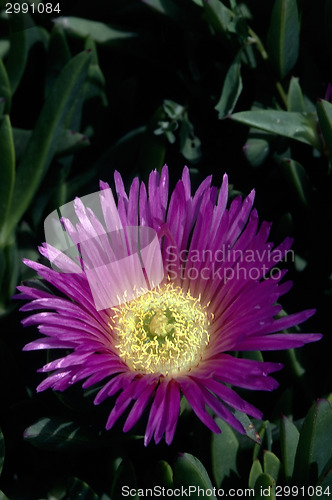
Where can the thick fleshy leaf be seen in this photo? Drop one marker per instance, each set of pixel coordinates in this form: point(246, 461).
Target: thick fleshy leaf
point(69, 142)
point(190, 145)
point(325, 481)
point(7, 170)
point(23, 36)
point(224, 450)
point(5, 90)
point(189, 471)
point(218, 15)
point(284, 36)
point(299, 126)
point(3, 496)
point(255, 471)
point(99, 32)
point(164, 474)
point(4, 48)
point(60, 434)
point(231, 90)
point(289, 438)
point(248, 426)
point(124, 480)
point(298, 180)
point(46, 134)
point(265, 487)
point(324, 112)
point(314, 449)
point(58, 55)
point(295, 100)
point(18, 52)
point(271, 464)
point(265, 439)
point(95, 83)
point(256, 150)
point(79, 489)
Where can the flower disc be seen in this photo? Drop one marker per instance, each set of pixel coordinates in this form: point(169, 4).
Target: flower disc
point(163, 331)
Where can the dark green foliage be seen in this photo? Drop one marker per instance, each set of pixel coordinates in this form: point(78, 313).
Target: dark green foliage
point(222, 86)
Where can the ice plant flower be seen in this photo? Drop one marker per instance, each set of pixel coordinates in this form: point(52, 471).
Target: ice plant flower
point(219, 295)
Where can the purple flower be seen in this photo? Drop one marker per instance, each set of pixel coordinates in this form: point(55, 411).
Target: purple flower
point(219, 294)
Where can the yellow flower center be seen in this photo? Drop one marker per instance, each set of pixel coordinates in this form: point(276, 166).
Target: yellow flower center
point(163, 331)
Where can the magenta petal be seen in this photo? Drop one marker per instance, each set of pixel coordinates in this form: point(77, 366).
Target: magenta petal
point(114, 385)
point(196, 399)
point(278, 341)
point(139, 406)
point(173, 408)
point(231, 398)
point(222, 412)
point(156, 416)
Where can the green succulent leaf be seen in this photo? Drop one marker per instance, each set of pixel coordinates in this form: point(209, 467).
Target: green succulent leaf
point(99, 32)
point(60, 434)
point(314, 449)
point(125, 476)
point(325, 481)
point(289, 438)
point(298, 180)
point(224, 450)
point(255, 471)
point(45, 137)
point(22, 37)
point(271, 464)
point(265, 487)
point(189, 471)
point(18, 52)
point(265, 439)
point(256, 150)
point(248, 426)
point(190, 145)
point(5, 89)
point(324, 112)
point(218, 15)
point(231, 90)
point(58, 55)
point(283, 36)
point(7, 170)
point(164, 474)
point(295, 99)
point(298, 126)
point(69, 142)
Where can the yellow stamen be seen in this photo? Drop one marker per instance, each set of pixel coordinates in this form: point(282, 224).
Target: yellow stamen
point(162, 331)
